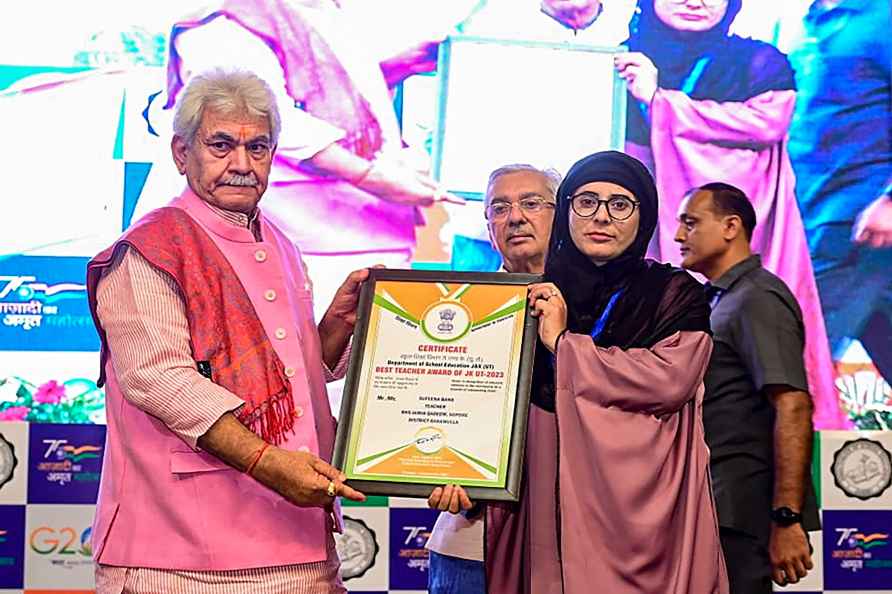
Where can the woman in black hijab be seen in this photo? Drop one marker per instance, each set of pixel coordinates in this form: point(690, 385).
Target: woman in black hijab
point(617, 494)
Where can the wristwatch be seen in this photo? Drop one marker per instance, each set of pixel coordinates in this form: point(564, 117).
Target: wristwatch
point(784, 516)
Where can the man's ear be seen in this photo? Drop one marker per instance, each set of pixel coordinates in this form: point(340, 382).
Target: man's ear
point(732, 227)
point(179, 148)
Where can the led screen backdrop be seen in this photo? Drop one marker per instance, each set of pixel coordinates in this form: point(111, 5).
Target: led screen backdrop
point(87, 95)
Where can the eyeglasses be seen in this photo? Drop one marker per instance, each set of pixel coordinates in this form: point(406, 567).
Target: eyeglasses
point(587, 204)
point(530, 205)
point(706, 3)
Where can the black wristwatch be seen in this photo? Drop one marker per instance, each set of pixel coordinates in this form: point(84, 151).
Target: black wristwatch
point(784, 516)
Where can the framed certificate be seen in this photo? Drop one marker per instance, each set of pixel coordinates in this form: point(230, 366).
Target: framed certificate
point(438, 386)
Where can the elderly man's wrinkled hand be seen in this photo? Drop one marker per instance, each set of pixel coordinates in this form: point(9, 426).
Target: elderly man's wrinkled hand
point(303, 478)
point(346, 299)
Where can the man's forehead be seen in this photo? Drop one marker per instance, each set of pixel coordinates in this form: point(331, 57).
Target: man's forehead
point(518, 184)
point(696, 203)
point(236, 125)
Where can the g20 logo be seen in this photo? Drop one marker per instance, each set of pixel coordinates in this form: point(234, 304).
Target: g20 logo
point(62, 541)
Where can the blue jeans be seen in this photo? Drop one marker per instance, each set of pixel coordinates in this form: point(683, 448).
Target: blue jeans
point(452, 575)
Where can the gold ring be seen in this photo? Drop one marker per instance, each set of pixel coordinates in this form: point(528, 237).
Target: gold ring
point(554, 292)
point(331, 489)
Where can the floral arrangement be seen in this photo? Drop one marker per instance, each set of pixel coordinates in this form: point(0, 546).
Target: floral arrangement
point(72, 401)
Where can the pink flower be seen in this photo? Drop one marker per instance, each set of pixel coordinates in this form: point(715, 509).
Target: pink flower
point(14, 413)
point(49, 393)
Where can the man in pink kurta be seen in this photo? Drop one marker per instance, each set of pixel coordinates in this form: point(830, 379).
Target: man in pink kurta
point(219, 425)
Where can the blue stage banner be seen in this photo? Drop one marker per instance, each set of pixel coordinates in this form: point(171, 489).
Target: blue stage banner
point(43, 305)
point(410, 529)
point(857, 550)
point(12, 546)
point(65, 462)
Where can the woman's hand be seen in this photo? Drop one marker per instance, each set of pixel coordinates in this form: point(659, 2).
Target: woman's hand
point(639, 73)
point(549, 306)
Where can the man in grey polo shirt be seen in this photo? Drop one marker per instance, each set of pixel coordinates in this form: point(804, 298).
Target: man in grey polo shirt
point(757, 410)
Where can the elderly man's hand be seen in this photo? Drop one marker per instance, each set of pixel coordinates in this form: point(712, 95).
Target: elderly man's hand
point(336, 326)
point(345, 301)
point(302, 478)
point(874, 225)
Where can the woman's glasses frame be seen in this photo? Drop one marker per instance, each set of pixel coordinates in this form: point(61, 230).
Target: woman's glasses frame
point(627, 202)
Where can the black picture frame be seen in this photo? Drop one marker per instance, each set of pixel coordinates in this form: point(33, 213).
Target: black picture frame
point(511, 491)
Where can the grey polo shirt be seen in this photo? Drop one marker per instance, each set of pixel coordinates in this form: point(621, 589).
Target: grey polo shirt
point(758, 337)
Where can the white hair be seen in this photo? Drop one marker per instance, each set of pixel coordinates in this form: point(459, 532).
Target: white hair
point(551, 176)
point(230, 92)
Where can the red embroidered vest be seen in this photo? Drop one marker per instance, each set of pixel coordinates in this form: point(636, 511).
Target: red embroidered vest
point(223, 326)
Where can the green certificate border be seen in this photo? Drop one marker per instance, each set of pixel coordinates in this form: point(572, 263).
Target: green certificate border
point(353, 421)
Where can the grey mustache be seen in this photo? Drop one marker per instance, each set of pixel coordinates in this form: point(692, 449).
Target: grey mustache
point(241, 180)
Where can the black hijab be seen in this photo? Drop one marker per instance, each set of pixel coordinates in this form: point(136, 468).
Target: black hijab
point(650, 301)
point(737, 68)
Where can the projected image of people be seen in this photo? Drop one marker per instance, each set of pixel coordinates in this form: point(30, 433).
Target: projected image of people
point(708, 106)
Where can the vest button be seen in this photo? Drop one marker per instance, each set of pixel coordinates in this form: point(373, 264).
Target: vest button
point(298, 411)
point(269, 295)
point(289, 372)
point(303, 449)
point(260, 256)
point(280, 333)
